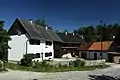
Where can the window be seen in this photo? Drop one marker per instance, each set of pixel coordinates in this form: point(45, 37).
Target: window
point(101, 55)
point(29, 56)
point(37, 55)
point(48, 43)
point(34, 42)
point(48, 54)
point(32, 56)
point(18, 32)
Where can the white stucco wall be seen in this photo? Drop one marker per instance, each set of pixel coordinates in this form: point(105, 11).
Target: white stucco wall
point(18, 48)
point(42, 48)
point(17, 45)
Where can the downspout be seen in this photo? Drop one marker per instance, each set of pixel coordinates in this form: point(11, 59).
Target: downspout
point(26, 45)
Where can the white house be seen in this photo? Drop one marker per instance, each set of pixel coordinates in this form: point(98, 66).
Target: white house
point(30, 38)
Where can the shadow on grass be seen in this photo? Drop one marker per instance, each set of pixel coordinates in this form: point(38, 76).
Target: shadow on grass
point(102, 77)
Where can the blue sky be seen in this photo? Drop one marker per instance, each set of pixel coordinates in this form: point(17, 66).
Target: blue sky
point(61, 14)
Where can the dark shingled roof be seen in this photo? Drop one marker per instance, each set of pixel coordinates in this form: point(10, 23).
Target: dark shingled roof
point(85, 46)
point(70, 38)
point(38, 32)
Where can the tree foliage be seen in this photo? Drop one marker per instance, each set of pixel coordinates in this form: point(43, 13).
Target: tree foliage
point(4, 37)
point(100, 32)
point(42, 23)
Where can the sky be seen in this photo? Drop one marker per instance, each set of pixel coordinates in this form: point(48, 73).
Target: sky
point(61, 14)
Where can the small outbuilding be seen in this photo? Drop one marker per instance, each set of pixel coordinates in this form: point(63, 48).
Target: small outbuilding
point(98, 50)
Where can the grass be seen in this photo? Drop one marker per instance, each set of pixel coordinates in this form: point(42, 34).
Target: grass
point(51, 68)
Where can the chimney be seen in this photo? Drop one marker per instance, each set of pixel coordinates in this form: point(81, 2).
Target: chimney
point(66, 33)
point(46, 28)
point(113, 37)
point(82, 37)
point(30, 21)
point(73, 33)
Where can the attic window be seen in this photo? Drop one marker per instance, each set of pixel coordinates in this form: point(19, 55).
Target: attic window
point(48, 43)
point(18, 32)
point(34, 42)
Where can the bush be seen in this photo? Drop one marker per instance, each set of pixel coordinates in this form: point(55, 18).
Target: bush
point(82, 63)
point(42, 66)
point(26, 60)
point(45, 66)
point(1, 65)
point(59, 65)
point(77, 63)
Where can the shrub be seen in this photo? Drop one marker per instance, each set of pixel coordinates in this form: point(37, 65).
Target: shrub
point(77, 63)
point(1, 65)
point(59, 65)
point(26, 60)
point(82, 63)
point(42, 66)
point(46, 67)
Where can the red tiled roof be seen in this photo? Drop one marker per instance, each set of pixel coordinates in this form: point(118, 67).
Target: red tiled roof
point(97, 45)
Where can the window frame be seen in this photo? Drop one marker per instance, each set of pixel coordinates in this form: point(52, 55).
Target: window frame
point(48, 54)
point(36, 55)
point(34, 42)
point(48, 43)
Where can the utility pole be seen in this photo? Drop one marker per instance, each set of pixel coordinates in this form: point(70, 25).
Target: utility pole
point(89, 50)
point(101, 39)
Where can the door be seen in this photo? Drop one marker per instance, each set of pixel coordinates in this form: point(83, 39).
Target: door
point(95, 56)
point(83, 55)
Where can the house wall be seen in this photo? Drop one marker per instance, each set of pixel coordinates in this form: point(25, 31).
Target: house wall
point(57, 50)
point(17, 45)
point(18, 48)
point(42, 48)
point(90, 55)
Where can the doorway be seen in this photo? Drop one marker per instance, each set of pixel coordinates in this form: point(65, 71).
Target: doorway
point(95, 56)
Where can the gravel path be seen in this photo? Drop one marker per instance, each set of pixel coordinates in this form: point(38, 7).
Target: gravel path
point(114, 70)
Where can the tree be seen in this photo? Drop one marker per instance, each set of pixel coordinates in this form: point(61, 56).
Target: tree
point(100, 32)
point(4, 37)
point(42, 23)
point(87, 32)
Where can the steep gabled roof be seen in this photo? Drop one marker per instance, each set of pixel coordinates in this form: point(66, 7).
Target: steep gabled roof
point(38, 32)
point(70, 38)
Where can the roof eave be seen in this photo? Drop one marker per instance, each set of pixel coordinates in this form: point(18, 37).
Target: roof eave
point(73, 42)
